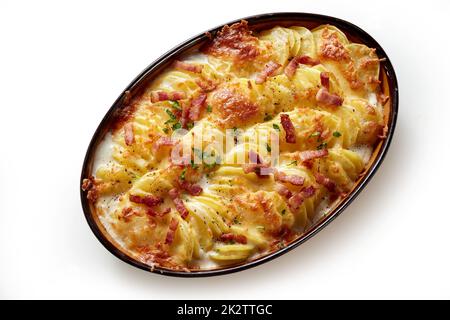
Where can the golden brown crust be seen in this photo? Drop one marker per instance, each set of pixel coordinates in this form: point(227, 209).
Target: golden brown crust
point(235, 41)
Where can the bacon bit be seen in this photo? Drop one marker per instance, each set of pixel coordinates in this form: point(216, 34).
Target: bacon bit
point(127, 213)
point(186, 66)
point(153, 213)
point(268, 71)
point(90, 186)
point(312, 154)
point(234, 108)
point(129, 133)
point(325, 80)
point(206, 85)
point(308, 164)
point(297, 199)
point(330, 99)
point(383, 133)
point(290, 69)
point(163, 142)
point(157, 96)
point(236, 42)
point(283, 190)
point(288, 128)
point(256, 165)
point(192, 188)
point(331, 47)
point(382, 98)
point(173, 225)
point(325, 181)
point(87, 184)
point(197, 105)
point(228, 237)
point(149, 201)
point(179, 205)
point(292, 179)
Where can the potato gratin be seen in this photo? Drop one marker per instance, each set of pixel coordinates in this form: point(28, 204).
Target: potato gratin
point(236, 149)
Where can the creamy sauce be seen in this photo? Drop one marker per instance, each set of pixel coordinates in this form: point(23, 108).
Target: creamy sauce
point(104, 152)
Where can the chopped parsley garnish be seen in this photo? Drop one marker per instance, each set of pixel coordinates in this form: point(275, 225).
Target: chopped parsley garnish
point(268, 117)
point(166, 130)
point(315, 134)
point(209, 108)
point(171, 115)
point(193, 165)
point(190, 125)
point(276, 127)
point(293, 163)
point(183, 174)
point(321, 146)
point(176, 126)
point(269, 148)
point(337, 134)
point(175, 104)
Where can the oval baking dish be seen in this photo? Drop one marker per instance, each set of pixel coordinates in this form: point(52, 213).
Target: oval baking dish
point(388, 84)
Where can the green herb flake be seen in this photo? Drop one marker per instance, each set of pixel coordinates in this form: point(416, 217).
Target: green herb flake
point(315, 134)
point(166, 130)
point(269, 148)
point(175, 104)
point(209, 108)
point(268, 117)
point(176, 126)
point(276, 127)
point(183, 174)
point(337, 134)
point(322, 146)
point(293, 163)
point(171, 115)
point(193, 165)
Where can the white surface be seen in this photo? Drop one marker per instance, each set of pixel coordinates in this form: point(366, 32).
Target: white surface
point(63, 64)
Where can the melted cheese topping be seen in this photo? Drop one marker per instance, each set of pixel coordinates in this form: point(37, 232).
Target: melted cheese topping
point(204, 214)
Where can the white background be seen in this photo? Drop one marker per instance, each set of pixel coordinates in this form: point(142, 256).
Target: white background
point(62, 64)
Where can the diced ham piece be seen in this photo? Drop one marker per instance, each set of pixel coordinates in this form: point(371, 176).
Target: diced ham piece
point(179, 205)
point(325, 181)
point(157, 96)
point(297, 199)
point(149, 200)
point(312, 154)
point(173, 225)
point(227, 237)
point(292, 179)
point(283, 190)
point(325, 80)
point(186, 66)
point(292, 66)
point(128, 133)
point(163, 142)
point(330, 99)
point(268, 71)
point(288, 128)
